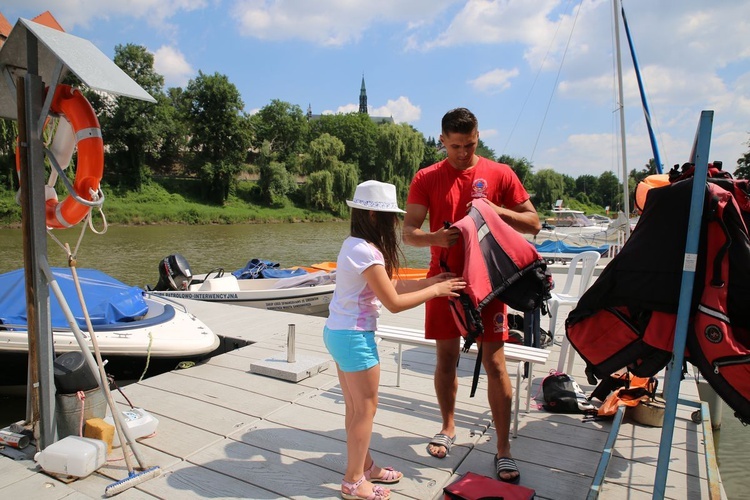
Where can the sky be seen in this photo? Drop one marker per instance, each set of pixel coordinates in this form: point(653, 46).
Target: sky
point(541, 75)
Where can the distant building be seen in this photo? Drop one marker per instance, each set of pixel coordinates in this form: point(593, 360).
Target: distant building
point(362, 108)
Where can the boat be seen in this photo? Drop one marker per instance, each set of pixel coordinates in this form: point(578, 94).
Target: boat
point(403, 273)
point(134, 329)
point(260, 284)
point(575, 229)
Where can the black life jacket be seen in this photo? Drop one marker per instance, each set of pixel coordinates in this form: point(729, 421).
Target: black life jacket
point(627, 318)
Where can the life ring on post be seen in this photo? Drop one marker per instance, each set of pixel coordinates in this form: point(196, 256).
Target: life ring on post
point(82, 130)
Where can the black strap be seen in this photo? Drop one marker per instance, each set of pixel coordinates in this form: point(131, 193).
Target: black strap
point(477, 367)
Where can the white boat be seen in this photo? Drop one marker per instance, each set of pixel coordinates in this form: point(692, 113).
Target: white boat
point(133, 328)
point(302, 293)
point(574, 228)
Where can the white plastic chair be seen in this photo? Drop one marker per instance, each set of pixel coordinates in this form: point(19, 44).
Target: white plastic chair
point(566, 297)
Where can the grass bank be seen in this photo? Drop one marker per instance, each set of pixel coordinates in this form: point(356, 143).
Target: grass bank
point(177, 201)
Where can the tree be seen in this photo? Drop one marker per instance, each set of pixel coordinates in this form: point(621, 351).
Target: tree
point(589, 186)
point(743, 166)
point(132, 129)
point(521, 166)
point(483, 150)
point(8, 135)
point(324, 153)
point(284, 126)
point(358, 133)
point(549, 187)
point(400, 149)
point(609, 191)
point(432, 154)
point(219, 132)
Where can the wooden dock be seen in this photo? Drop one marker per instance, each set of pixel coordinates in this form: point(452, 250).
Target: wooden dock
point(225, 432)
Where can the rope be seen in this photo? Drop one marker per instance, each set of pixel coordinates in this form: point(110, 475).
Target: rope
point(82, 398)
point(148, 355)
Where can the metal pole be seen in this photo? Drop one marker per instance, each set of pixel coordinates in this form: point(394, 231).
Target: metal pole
point(41, 384)
point(290, 345)
point(621, 107)
point(674, 369)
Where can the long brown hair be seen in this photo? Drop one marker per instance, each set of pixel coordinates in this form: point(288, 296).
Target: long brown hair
point(380, 229)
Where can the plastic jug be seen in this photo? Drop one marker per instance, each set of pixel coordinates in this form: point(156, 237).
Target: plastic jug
point(139, 422)
point(73, 456)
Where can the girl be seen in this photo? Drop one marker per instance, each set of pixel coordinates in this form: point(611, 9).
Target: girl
point(368, 259)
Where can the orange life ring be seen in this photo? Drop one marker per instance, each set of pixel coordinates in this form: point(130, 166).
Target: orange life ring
point(73, 106)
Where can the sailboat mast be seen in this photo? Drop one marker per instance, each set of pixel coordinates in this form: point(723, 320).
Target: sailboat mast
point(621, 107)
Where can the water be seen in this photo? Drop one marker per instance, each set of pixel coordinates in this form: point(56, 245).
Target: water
point(132, 254)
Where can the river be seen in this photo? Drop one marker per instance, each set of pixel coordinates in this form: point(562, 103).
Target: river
point(132, 255)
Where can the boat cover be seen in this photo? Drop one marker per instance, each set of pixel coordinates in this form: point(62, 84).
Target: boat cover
point(108, 300)
point(549, 246)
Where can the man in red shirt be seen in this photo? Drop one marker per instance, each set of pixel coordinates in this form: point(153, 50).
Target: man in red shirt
point(445, 191)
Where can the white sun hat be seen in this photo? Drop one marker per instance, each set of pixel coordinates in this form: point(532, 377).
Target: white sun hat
point(375, 195)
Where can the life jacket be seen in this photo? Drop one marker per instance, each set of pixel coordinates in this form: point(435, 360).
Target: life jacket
point(627, 318)
point(499, 264)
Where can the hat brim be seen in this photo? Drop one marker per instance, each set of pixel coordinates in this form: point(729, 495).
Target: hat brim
point(354, 204)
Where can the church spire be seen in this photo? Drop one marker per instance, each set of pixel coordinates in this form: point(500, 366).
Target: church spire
point(363, 97)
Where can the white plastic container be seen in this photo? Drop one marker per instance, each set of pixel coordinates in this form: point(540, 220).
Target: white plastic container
point(73, 456)
point(139, 422)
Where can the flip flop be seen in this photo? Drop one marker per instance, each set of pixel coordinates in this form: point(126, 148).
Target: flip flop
point(443, 440)
point(506, 464)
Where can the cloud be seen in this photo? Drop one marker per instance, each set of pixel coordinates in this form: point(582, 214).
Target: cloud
point(494, 81)
point(83, 13)
point(401, 109)
point(329, 22)
point(171, 63)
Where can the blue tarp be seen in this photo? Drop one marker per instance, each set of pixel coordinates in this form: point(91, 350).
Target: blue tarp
point(258, 268)
point(108, 300)
point(549, 246)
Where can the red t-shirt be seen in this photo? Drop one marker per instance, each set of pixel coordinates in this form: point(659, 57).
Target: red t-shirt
point(446, 191)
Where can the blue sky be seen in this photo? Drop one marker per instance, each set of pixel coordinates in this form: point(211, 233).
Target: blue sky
point(539, 74)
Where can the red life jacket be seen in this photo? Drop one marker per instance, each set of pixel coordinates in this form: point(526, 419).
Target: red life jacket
point(499, 264)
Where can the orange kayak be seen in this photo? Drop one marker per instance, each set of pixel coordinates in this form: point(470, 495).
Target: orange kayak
point(404, 273)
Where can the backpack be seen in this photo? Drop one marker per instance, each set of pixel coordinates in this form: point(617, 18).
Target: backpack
point(627, 318)
point(499, 264)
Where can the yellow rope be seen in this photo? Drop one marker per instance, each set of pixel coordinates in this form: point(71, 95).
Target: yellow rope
point(148, 355)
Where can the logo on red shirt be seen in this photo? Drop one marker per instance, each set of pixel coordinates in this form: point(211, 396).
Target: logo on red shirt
point(479, 188)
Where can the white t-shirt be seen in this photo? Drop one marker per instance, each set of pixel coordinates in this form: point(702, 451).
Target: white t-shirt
point(354, 305)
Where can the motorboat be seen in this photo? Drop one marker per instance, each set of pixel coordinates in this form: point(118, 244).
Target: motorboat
point(574, 228)
point(259, 284)
point(133, 328)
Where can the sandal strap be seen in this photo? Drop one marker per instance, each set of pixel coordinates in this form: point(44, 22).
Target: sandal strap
point(352, 487)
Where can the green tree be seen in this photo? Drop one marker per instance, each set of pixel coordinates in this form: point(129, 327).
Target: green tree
point(432, 153)
point(324, 153)
point(358, 133)
point(8, 135)
point(549, 186)
point(400, 149)
point(588, 185)
point(219, 132)
point(609, 191)
point(521, 166)
point(483, 150)
point(135, 130)
point(743, 166)
point(276, 183)
point(284, 126)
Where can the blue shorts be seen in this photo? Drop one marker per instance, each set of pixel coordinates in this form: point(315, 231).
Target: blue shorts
point(352, 350)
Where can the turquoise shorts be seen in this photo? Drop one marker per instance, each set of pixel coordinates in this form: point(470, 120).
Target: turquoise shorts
point(352, 350)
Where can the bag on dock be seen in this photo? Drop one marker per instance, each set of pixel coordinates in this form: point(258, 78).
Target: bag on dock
point(627, 318)
point(473, 486)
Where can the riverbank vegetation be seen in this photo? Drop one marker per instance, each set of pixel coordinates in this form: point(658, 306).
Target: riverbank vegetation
point(197, 157)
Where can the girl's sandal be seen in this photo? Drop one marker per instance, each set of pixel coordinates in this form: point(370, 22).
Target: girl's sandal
point(349, 491)
point(389, 475)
